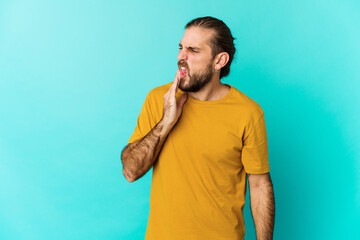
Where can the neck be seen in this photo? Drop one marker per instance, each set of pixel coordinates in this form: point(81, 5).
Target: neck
point(214, 90)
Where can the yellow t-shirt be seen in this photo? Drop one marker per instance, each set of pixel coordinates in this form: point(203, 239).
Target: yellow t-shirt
point(199, 179)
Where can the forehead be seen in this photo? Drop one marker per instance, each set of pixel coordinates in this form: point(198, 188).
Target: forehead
point(197, 37)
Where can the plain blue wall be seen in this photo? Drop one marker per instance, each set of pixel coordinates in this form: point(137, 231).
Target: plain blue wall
point(73, 77)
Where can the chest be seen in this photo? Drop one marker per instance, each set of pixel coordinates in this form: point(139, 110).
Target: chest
point(209, 136)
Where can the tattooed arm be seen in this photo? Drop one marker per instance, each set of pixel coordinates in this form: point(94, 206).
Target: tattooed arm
point(262, 205)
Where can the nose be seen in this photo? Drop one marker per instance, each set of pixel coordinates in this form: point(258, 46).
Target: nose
point(182, 55)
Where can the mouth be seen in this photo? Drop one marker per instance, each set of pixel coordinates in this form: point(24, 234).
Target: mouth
point(183, 70)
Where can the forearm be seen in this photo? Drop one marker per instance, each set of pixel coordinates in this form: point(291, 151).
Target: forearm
point(263, 210)
point(138, 157)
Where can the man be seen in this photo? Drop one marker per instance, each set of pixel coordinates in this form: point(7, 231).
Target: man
point(202, 137)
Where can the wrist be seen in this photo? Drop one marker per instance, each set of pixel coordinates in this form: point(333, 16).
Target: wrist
point(166, 124)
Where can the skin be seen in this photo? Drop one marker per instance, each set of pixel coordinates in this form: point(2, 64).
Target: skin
point(138, 157)
point(195, 50)
point(262, 204)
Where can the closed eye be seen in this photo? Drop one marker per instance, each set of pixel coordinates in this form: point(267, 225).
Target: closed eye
point(195, 50)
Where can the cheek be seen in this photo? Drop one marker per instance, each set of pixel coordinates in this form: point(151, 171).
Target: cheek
point(195, 66)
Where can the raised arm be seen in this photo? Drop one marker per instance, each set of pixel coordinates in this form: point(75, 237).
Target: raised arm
point(139, 156)
point(262, 205)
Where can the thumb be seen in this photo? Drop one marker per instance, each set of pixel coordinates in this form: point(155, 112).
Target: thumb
point(182, 100)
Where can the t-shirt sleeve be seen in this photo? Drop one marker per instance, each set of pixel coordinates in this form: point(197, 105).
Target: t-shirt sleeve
point(255, 148)
point(145, 121)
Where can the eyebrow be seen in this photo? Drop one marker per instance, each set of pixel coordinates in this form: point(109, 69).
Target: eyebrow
point(195, 48)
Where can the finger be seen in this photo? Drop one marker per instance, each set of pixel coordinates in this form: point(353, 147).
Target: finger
point(182, 100)
point(175, 82)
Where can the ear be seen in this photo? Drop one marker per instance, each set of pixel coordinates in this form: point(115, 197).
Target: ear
point(221, 60)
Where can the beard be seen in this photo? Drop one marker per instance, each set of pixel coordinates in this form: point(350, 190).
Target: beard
point(197, 80)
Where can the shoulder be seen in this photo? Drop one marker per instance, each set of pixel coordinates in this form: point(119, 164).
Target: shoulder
point(248, 105)
point(159, 91)
point(155, 96)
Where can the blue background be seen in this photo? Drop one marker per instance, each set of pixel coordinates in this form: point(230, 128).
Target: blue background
point(74, 75)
